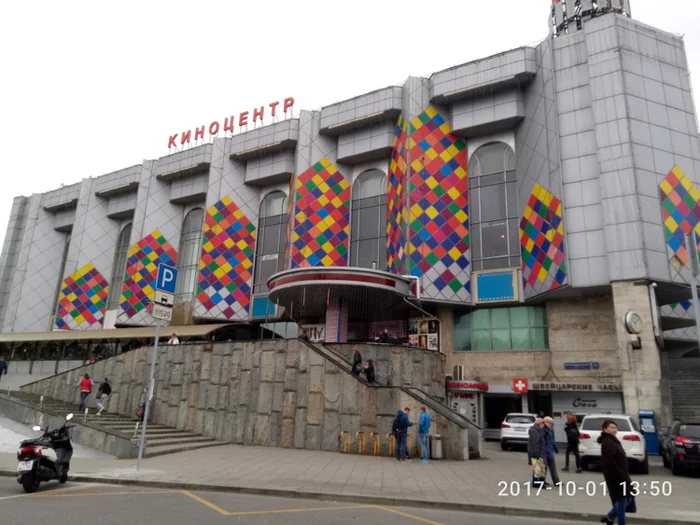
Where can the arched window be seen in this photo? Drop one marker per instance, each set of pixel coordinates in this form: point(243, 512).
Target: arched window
point(493, 208)
point(269, 250)
point(118, 268)
point(189, 254)
point(368, 228)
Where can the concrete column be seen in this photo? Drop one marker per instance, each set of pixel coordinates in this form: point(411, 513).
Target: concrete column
point(641, 369)
point(446, 317)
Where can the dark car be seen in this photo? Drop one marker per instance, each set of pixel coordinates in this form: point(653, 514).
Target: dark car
point(680, 448)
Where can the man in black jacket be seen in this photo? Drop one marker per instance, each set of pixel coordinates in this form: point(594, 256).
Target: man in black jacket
point(102, 395)
point(616, 473)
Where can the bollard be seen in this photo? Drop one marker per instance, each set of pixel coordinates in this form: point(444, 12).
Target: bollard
point(345, 437)
point(136, 430)
point(392, 443)
point(377, 442)
point(41, 402)
point(86, 413)
point(361, 442)
point(9, 391)
point(408, 446)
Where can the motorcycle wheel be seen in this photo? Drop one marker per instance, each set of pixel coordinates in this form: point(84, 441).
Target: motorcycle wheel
point(63, 478)
point(30, 483)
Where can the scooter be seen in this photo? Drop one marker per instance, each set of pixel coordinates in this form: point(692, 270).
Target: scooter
point(34, 467)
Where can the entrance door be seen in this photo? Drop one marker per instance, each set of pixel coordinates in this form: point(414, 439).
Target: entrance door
point(540, 403)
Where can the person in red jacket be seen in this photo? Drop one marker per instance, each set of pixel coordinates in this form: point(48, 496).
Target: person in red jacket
point(86, 385)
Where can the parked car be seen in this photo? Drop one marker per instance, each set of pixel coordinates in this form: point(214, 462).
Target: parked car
point(627, 432)
point(514, 429)
point(680, 448)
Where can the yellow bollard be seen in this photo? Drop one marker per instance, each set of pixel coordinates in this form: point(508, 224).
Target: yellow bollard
point(392, 443)
point(361, 442)
point(345, 437)
point(408, 446)
point(377, 442)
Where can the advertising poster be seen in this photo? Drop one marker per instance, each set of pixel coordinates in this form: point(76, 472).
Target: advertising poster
point(424, 333)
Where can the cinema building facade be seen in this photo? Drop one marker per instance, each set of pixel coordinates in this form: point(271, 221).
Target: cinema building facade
point(523, 214)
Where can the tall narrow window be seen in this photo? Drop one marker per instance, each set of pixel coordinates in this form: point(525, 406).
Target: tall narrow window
point(62, 269)
point(368, 228)
point(493, 208)
point(118, 268)
point(189, 254)
point(269, 251)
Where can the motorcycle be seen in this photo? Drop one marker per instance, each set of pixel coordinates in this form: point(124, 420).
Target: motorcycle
point(35, 467)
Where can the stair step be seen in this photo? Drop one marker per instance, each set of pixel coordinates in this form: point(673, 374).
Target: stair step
point(153, 451)
point(157, 441)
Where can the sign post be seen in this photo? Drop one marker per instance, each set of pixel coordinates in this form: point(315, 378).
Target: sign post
point(162, 309)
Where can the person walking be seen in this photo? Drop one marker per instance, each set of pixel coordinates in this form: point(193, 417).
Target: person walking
point(102, 394)
point(356, 362)
point(572, 440)
point(369, 371)
point(3, 366)
point(85, 385)
point(401, 424)
point(141, 409)
point(616, 474)
point(552, 449)
point(424, 423)
point(537, 453)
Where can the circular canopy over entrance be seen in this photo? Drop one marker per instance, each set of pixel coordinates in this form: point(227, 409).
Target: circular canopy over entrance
point(368, 295)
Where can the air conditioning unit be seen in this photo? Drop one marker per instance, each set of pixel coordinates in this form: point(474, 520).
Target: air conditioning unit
point(458, 373)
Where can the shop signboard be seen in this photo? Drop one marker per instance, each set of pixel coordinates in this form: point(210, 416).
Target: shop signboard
point(424, 333)
point(316, 332)
point(575, 387)
point(467, 386)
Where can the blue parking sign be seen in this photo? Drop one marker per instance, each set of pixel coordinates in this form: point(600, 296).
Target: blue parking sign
point(167, 278)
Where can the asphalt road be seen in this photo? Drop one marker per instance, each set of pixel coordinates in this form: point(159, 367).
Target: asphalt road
point(117, 505)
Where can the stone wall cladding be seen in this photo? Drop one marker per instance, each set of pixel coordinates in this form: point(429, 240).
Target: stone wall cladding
point(265, 393)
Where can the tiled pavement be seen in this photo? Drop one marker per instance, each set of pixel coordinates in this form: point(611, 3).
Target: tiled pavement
point(475, 482)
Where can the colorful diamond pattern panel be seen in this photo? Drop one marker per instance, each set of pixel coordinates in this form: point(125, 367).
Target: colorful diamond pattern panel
point(542, 243)
point(683, 310)
point(82, 300)
point(143, 259)
point(438, 220)
point(680, 211)
point(320, 235)
point(226, 265)
point(396, 199)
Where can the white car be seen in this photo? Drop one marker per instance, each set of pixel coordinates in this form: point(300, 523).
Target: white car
point(627, 433)
point(514, 429)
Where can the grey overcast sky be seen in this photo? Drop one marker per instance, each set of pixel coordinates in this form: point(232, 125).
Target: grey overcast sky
point(89, 87)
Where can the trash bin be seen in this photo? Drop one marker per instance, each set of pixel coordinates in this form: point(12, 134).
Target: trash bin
point(435, 447)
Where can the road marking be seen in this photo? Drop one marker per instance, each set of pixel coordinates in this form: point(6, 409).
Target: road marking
point(412, 516)
point(62, 491)
point(43, 494)
point(129, 493)
point(205, 502)
point(285, 511)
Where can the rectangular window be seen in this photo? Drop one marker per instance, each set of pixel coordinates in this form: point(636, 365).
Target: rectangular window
point(502, 329)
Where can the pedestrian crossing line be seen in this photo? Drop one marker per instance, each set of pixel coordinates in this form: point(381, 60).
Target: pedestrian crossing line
point(407, 515)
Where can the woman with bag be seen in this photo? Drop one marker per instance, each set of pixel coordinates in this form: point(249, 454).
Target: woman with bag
point(616, 474)
point(537, 452)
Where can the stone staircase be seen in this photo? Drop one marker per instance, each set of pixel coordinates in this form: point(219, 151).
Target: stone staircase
point(160, 439)
point(685, 394)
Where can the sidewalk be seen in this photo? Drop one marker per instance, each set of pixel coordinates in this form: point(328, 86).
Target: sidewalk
point(472, 485)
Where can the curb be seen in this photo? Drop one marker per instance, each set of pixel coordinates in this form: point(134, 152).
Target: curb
point(360, 498)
